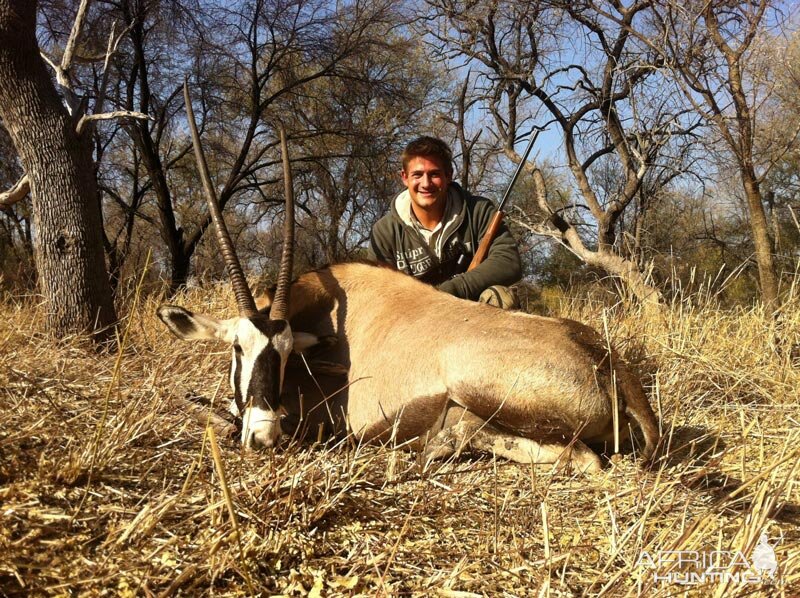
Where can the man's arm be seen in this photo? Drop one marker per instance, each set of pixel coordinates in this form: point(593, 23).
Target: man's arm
point(380, 240)
point(502, 265)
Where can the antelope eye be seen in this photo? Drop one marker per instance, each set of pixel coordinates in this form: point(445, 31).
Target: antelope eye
point(237, 348)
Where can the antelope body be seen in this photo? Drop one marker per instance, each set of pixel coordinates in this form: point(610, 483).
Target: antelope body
point(441, 373)
point(421, 362)
point(423, 368)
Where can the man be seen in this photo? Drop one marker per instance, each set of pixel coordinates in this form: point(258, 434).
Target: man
point(434, 228)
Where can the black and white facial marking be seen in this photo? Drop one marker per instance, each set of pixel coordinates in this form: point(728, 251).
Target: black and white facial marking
point(258, 358)
point(260, 348)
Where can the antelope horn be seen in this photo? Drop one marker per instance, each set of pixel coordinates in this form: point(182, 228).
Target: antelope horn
point(244, 298)
point(280, 304)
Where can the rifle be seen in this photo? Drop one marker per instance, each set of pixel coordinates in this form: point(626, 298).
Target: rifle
point(494, 225)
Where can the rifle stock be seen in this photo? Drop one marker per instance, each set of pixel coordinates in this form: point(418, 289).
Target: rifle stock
point(486, 241)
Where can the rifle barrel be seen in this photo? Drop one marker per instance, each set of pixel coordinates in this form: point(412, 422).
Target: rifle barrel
point(521, 164)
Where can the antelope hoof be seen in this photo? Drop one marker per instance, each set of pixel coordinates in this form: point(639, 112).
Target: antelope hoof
point(580, 461)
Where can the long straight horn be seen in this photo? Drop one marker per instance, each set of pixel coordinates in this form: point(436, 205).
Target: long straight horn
point(244, 298)
point(280, 304)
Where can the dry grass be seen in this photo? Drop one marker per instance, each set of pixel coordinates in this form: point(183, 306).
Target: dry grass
point(107, 487)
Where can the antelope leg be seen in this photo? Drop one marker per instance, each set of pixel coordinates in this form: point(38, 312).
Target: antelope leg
point(463, 429)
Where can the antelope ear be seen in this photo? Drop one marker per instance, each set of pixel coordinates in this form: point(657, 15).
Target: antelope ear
point(189, 326)
point(303, 341)
point(263, 302)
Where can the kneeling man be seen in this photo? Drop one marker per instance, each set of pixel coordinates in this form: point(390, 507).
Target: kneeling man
point(434, 228)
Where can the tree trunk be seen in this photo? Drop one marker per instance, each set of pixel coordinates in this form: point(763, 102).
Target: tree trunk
point(742, 142)
point(114, 269)
point(179, 270)
point(171, 233)
point(767, 277)
point(67, 220)
point(334, 248)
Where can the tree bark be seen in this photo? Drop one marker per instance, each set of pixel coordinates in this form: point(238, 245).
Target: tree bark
point(67, 220)
point(759, 227)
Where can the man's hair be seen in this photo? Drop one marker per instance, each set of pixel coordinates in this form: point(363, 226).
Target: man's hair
point(429, 147)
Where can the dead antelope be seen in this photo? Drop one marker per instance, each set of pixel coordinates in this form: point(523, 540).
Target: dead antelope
point(424, 368)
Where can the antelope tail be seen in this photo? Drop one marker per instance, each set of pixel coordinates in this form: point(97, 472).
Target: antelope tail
point(638, 408)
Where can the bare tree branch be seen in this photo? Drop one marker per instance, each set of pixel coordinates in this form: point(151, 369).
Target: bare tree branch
point(62, 70)
point(17, 192)
point(87, 118)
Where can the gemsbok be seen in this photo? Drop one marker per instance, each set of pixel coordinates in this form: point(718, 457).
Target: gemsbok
point(412, 365)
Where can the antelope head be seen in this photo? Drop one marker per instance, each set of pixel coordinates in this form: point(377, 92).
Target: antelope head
point(260, 343)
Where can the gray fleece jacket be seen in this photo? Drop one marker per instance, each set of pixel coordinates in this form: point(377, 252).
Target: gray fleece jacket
point(397, 241)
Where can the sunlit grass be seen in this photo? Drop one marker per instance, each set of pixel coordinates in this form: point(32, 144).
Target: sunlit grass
point(132, 503)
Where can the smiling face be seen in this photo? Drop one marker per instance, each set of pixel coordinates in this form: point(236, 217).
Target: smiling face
point(427, 180)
